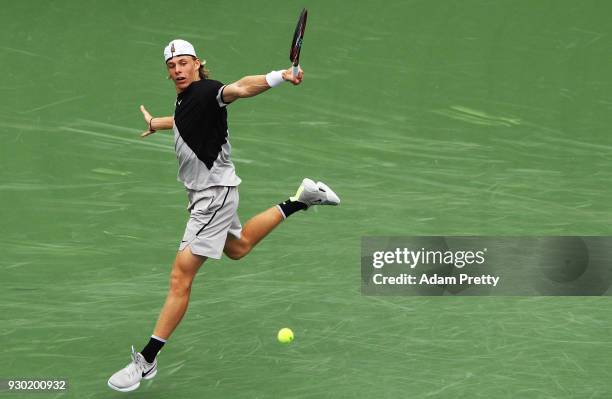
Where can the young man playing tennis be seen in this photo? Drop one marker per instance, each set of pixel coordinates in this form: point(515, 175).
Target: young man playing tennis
point(206, 170)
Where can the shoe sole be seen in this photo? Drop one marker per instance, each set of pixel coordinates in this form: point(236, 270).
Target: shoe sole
point(128, 389)
point(133, 387)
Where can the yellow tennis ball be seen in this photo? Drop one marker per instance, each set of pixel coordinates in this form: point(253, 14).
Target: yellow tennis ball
point(285, 335)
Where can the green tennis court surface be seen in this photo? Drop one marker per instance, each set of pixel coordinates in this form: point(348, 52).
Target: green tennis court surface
point(471, 117)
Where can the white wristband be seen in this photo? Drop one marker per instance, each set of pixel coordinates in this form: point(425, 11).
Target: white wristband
point(274, 78)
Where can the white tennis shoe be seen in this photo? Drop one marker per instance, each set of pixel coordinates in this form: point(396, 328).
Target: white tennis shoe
point(128, 378)
point(311, 193)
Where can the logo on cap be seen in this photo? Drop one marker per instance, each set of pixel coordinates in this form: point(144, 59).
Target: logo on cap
point(172, 50)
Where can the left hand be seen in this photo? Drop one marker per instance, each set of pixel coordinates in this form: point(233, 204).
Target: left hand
point(288, 76)
point(147, 117)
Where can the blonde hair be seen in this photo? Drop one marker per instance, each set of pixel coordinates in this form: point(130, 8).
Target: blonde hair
point(203, 72)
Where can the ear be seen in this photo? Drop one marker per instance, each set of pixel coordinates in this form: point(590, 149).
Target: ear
point(198, 63)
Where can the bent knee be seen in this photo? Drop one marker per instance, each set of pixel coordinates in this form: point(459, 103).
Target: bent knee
point(237, 252)
point(235, 255)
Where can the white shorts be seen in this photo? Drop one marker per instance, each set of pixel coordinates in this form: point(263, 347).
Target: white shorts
point(213, 214)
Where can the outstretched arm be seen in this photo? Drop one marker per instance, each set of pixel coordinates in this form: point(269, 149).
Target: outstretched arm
point(250, 86)
point(155, 123)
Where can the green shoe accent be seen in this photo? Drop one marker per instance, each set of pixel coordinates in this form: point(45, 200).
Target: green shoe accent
point(297, 194)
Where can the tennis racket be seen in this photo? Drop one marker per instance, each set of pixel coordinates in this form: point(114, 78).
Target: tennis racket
point(296, 43)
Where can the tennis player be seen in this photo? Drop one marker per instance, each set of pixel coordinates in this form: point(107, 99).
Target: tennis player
point(201, 141)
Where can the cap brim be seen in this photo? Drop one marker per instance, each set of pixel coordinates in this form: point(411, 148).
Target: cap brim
point(180, 55)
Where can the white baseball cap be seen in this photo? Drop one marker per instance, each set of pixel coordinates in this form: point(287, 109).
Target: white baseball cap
point(178, 47)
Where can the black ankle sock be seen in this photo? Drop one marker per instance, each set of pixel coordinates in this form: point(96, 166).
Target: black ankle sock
point(150, 351)
point(290, 207)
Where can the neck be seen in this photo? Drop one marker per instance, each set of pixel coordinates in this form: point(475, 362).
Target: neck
point(194, 80)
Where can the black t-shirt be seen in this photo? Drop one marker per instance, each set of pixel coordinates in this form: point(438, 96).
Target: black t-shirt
point(201, 138)
point(201, 119)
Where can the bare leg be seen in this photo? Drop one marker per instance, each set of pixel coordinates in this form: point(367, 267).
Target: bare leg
point(184, 269)
point(253, 231)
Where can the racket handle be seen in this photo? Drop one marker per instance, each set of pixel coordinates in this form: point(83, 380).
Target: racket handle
point(296, 70)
